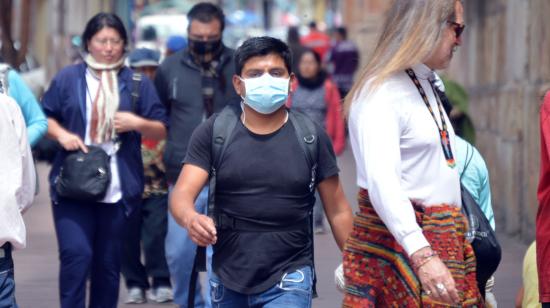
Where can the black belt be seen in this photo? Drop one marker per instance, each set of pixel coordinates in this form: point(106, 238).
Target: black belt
point(224, 221)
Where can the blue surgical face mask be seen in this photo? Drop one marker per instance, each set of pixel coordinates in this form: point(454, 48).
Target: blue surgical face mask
point(266, 94)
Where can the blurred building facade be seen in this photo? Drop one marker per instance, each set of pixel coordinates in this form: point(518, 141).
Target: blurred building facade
point(505, 65)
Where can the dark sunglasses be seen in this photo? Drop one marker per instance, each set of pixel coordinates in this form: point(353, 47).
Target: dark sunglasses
point(458, 28)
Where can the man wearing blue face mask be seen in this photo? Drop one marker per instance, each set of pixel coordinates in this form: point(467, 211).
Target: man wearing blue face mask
point(262, 236)
point(193, 83)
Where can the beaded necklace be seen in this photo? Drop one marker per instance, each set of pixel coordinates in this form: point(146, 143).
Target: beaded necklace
point(443, 132)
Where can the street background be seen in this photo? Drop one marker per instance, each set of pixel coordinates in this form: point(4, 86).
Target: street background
point(503, 64)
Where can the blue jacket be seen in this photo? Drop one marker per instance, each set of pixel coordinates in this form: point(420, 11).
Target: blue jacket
point(65, 101)
point(36, 122)
point(476, 176)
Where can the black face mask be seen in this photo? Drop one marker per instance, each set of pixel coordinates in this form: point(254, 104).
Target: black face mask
point(204, 47)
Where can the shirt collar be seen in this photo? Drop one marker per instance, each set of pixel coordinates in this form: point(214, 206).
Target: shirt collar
point(422, 71)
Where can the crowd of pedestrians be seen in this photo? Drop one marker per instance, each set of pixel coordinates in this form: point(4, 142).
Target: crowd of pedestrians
point(224, 161)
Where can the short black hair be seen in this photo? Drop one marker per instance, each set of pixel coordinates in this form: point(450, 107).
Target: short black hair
point(100, 21)
point(343, 32)
point(313, 24)
point(205, 12)
point(261, 46)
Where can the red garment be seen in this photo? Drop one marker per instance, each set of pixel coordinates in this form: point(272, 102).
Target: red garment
point(543, 195)
point(317, 41)
point(334, 121)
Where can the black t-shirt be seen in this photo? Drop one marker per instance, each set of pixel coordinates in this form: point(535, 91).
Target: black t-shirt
point(261, 178)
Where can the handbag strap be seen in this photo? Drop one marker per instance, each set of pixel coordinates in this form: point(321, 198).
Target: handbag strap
point(469, 158)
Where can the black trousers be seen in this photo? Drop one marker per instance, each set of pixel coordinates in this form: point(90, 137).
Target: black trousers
point(146, 226)
point(545, 305)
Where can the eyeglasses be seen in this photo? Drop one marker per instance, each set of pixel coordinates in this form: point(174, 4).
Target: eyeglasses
point(458, 28)
point(113, 42)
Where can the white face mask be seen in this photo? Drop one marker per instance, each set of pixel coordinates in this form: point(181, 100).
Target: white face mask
point(266, 94)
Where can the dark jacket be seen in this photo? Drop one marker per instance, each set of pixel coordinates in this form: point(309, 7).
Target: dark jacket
point(179, 85)
point(65, 101)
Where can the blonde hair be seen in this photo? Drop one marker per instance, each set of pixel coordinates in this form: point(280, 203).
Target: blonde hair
point(410, 33)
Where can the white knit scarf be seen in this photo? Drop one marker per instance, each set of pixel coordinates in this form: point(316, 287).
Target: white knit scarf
point(106, 101)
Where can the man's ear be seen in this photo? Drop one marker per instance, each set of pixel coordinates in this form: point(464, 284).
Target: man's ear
point(292, 79)
point(238, 85)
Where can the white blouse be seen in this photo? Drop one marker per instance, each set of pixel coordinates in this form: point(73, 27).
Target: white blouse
point(114, 191)
point(398, 153)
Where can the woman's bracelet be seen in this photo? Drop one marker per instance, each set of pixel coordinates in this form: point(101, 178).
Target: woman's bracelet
point(423, 259)
point(423, 262)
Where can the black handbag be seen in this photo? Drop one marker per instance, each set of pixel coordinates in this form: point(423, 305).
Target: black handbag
point(481, 236)
point(84, 176)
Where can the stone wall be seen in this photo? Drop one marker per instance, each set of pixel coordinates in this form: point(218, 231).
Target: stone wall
point(504, 63)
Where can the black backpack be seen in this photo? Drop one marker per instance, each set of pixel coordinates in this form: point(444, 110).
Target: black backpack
point(480, 234)
point(224, 126)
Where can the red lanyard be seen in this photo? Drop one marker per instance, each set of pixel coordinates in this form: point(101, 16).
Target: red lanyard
point(443, 132)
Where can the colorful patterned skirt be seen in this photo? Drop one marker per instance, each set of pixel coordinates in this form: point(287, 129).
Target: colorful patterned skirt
point(378, 272)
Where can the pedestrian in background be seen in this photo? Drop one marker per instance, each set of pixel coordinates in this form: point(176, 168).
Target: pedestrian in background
point(316, 40)
point(528, 294)
point(400, 252)
point(343, 60)
point(147, 225)
point(193, 83)
point(174, 44)
point(13, 85)
point(17, 190)
point(543, 213)
point(91, 104)
point(296, 48)
point(315, 95)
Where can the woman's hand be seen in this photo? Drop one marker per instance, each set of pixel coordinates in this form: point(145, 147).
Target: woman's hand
point(435, 278)
point(71, 142)
point(127, 121)
point(202, 230)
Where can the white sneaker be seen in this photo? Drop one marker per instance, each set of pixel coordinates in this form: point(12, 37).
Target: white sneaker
point(136, 295)
point(161, 295)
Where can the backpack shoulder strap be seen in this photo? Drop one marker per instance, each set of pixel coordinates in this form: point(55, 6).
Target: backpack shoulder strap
point(469, 156)
point(223, 127)
point(136, 81)
point(224, 124)
point(306, 133)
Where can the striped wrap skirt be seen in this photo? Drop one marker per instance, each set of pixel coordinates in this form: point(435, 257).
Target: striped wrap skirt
point(378, 272)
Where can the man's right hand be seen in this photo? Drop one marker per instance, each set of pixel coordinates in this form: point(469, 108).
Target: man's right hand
point(202, 230)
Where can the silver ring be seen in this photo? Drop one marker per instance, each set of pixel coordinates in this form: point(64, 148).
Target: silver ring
point(428, 292)
point(440, 287)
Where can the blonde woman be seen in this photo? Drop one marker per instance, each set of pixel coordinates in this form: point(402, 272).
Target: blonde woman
point(407, 248)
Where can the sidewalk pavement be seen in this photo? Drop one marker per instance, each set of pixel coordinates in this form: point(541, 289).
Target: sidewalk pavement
point(36, 267)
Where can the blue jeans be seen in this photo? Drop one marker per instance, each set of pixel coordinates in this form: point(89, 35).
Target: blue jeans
point(294, 290)
point(180, 255)
point(7, 282)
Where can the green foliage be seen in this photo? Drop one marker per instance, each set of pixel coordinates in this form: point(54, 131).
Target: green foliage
point(458, 97)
